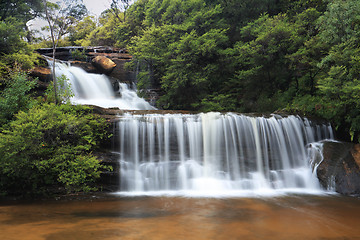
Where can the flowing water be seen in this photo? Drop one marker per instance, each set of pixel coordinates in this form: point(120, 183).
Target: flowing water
point(281, 218)
point(217, 154)
point(96, 89)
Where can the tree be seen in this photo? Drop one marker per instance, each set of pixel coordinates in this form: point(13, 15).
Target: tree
point(305, 61)
point(11, 34)
point(340, 22)
point(296, 7)
point(262, 69)
point(339, 28)
point(238, 13)
point(79, 34)
point(22, 10)
point(105, 33)
point(333, 53)
point(120, 6)
point(181, 46)
point(60, 16)
point(14, 51)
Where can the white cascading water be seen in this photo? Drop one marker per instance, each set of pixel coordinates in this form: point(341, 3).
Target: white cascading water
point(96, 89)
point(216, 154)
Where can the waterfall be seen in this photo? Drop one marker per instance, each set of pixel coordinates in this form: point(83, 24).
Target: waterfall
point(96, 89)
point(216, 154)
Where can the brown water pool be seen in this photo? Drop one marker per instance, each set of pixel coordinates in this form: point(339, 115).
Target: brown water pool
point(111, 217)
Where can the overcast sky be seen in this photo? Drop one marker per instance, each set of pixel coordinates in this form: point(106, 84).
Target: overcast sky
point(95, 7)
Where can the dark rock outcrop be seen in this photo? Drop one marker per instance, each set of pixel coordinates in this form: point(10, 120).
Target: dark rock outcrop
point(42, 73)
point(109, 180)
point(339, 168)
point(87, 67)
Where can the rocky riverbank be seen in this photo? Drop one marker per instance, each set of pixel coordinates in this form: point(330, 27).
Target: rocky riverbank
point(339, 167)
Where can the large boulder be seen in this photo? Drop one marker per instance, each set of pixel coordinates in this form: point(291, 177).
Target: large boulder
point(339, 168)
point(103, 64)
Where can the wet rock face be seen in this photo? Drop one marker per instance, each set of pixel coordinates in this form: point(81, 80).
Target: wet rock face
point(88, 67)
point(43, 73)
point(109, 180)
point(339, 168)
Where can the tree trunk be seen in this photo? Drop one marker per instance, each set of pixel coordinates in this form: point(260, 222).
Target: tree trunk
point(54, 50)
point(54, 77)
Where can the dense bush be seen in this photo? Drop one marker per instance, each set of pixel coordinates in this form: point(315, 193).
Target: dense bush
point(48, 149)
point(15, 96)
point(13, 49)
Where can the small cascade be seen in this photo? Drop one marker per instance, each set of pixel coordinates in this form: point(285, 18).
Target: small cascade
point(216, 154)
point(96, 89)
point(316, 158)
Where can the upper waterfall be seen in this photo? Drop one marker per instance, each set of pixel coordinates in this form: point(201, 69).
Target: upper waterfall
point(96, 89)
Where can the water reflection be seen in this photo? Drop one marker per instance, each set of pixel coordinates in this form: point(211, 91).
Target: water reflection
point(291, 217)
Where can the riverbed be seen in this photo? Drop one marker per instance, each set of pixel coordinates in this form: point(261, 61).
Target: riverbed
point(106, 217)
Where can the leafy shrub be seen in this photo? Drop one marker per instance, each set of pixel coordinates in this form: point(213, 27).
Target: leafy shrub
point(48, 149)
point(11, 34)
point(219, 102)
point(79, 55)
point(15, 96)
point(26, 60)
point(64, 91)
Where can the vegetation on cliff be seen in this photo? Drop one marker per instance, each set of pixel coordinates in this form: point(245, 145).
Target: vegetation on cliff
point(46, 148)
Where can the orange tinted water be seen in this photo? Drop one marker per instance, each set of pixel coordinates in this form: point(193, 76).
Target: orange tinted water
point(292, 217)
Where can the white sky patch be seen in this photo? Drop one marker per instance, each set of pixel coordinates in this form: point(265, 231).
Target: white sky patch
point(95, 8)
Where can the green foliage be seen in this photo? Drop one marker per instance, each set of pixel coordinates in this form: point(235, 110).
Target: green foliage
point(183, 51)
point(104, 34)
point(64, 42)
point(81, 31)
point(260, 61)
point(49, 148)
point(23, 11)
point(64, 92)
point(340, 22)
point(296, 7)
point(239, 13)
point(21, 58)
point(20, 9)
point(15, 96)
point(14, 51)
point(11, 34)
point(217, 102)
point(79, 55)
point(339, 84)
